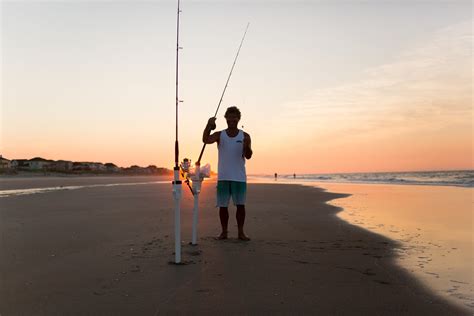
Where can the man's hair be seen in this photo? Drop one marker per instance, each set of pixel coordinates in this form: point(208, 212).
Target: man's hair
point(232, 110)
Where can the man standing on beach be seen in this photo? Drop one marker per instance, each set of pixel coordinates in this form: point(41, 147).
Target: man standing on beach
point(234, 147)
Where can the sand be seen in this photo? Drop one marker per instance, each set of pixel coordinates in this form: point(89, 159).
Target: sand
point(432, 224)
point(106, 251)
point(21, 182)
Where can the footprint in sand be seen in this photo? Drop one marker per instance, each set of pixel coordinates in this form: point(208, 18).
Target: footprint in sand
point(436, 275)
point(382, 282)
point(454, 281)
point(369, 272)
point(203, 290)
point(194, 253)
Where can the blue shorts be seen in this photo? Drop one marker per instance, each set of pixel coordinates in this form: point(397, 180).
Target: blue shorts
point(226, 189)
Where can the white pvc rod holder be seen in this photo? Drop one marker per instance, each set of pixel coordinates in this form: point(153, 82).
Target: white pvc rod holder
point(177, 231)
point(177, 190)
point(195, 218)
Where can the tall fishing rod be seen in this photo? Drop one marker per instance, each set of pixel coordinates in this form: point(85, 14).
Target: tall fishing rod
point(225, 87)
point(177, 190)
point(176, 143)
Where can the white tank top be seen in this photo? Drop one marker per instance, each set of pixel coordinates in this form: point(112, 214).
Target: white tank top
point(231, 163)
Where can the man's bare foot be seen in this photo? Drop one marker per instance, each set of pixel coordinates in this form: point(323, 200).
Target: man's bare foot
point(243, 237)
point(222, 236)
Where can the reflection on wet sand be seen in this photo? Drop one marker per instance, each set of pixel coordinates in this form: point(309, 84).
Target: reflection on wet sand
point(433, 226)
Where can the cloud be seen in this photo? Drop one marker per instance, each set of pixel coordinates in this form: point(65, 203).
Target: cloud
point(428, 86)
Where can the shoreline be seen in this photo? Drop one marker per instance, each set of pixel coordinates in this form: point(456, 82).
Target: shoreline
point(456, 178)
point(39, 175)
point(428, 253)
point(50, 181)
point(304, 259)
point(439, 255)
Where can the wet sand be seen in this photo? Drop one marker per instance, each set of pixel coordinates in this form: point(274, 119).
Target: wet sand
point(433, 225)
point(105, 251)
point(28, 182)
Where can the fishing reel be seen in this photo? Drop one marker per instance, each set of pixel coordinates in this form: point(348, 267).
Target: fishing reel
point(185, 166)
point(194, 173)
point(194, 176)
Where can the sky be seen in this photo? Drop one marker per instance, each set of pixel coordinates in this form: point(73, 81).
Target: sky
point(323, 86)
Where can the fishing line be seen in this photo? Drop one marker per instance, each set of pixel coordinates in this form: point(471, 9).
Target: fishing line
point(225, 88)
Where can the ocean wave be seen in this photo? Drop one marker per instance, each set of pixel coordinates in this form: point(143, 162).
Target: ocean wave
point(441, 178)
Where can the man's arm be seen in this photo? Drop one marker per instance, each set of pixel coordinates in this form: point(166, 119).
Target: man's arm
point(247, 146)
point(207, 138)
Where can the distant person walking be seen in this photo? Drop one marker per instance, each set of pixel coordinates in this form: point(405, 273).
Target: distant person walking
point(276, 175)
point(294, 175)
point(234, 147)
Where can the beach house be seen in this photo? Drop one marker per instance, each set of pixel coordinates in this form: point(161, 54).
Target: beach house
point(20, 164)
point(97, 166)
point(80, 166)
point(61, 165)
point(89, 166)
point(39, 163)
point(111, 167)
point(5, 163)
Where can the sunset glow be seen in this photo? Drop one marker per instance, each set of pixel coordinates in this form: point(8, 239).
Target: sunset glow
point(386, 88)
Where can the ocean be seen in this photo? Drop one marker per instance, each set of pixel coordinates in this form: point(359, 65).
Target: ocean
point(459, 178)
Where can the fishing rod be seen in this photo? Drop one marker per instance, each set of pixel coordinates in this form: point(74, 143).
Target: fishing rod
point(198, 175)
point(177, 190)
point(176, 143)
point(225, 87)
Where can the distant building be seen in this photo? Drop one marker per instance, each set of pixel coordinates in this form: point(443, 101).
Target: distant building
point(80, 166)
point(97, 166)
point(20, 164)
point(152, 169)
point(5, 163)
point(39, 163)
point(61, 165)
point(135, 170)
point(110, 167)
point(89, 166)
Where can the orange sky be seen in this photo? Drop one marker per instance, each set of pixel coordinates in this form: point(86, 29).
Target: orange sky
point(383, 88)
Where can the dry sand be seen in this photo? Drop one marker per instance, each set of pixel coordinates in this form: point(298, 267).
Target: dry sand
point(105, 251)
